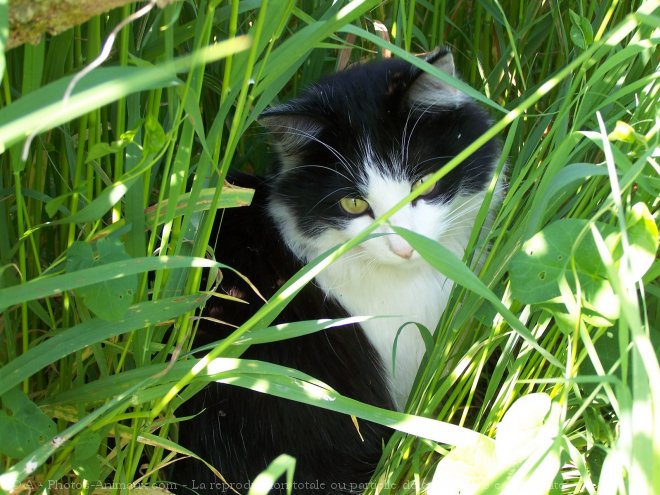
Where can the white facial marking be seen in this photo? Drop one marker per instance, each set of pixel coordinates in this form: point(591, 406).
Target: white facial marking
point(384, 275)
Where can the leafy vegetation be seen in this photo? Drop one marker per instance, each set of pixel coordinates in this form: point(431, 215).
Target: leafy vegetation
point(110, 181)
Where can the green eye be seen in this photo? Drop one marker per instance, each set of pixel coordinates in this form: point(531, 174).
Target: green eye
point(427, 188)
point(354, 206)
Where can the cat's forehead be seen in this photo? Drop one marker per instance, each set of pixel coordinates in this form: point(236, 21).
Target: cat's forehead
point(363, 97)
point(386, 105)
point(379, 183)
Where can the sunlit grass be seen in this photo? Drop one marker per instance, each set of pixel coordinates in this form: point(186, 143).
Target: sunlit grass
point(137, 156)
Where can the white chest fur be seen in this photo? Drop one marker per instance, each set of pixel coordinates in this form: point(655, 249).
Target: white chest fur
point(411, 294)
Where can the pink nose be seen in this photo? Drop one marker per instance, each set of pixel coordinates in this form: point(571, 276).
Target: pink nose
point(400, 247)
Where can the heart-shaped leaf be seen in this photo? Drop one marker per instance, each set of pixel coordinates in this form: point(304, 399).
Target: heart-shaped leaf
point(565, 250)
point(23, 426)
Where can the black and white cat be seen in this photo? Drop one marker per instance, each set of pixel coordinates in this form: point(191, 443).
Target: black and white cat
point(348, 149)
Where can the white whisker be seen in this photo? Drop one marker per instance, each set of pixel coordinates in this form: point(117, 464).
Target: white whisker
point(298, 132)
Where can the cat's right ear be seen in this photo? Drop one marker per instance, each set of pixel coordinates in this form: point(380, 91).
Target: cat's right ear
point(428, 90)
point(290, 130)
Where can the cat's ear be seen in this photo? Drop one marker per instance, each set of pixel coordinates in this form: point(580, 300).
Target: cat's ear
point(428, 90)
point(290, 129)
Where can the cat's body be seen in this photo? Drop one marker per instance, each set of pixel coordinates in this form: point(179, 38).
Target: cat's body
point(349, 149)
point(239, 431)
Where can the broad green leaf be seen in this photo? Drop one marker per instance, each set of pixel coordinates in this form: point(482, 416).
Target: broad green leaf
point(595, 458)
point(643, 237)
point(84, 459)
point(88, 444)
point(522, 425)
point(23, 426)
point(57, 204)
point(545, 260)
point(88, 469)
point(154, 135)
point(14, 475)
point(45, 108)
point(465, 469)
point(109, 299)
point(581, 32)
point(548, 258)
point(80, 255)
point(516, 458)
point(99, 150)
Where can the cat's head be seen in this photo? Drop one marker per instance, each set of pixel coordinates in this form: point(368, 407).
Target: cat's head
point(353, 145)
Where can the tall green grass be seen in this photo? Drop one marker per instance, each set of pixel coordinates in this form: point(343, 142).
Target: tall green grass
point(124, 176)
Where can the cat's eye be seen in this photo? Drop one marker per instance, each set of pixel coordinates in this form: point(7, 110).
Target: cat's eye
point(354, 206)
point(425, 184)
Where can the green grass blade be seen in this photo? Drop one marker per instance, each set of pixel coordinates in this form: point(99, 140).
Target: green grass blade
point(45, 109)
point(280, 384)
point(448, 264)
point(50, 286)
point(4, 33)
point(85, 334)
point(231, 197)
point(283, 464)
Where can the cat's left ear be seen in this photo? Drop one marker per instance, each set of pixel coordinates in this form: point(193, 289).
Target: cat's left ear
point(290, 129)
point(428, 90)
